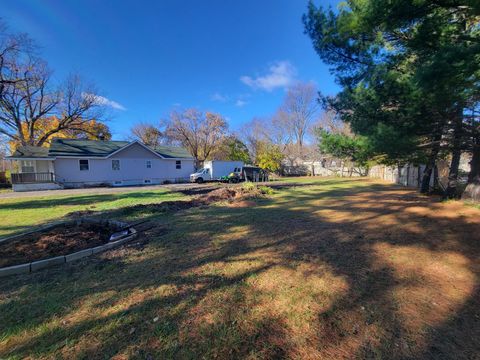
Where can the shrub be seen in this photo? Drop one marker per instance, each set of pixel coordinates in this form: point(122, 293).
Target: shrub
point(249, 186)
point(266, 190)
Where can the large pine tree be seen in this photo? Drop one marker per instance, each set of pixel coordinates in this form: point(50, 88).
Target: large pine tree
point(409, 70)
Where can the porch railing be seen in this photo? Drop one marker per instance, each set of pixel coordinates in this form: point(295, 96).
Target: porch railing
point(32, 178)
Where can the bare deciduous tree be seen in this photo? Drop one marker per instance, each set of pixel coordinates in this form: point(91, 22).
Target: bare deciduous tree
point(255, 133)
point(331, 122)
point(28, 96)
point(147, 134)
point(12, 46)
point(201, 133)
point(298, 111)
point(25, 104)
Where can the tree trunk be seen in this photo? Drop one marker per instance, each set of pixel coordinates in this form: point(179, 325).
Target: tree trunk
point(436, 183)
point(399, 171)
point(472, 191)
point(474, 175)
point(419, 176)
point(427, 172)
point(408, 174)
point(451, 190)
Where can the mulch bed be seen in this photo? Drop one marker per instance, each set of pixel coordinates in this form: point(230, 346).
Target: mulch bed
point(61, 240)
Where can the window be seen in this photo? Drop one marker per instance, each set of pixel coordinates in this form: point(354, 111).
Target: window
point(147, 181)
point(115, 164)
point(83, 165)
point(28, 166)
point(178, 164)
point(149, 164)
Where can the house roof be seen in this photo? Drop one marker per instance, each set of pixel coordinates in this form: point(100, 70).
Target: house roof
point(91, 148)
point(31, 152)
point(172, 152)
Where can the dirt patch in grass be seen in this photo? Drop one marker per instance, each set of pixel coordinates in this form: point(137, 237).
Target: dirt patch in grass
point(236, 196)
point(232, 195)
point(61, 240)
point(242, 204)
point(198, 190)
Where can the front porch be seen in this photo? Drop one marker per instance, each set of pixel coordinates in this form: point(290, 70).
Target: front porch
point(34, 175)
point(32, 178)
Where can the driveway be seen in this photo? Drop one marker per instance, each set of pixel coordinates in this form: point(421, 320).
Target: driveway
point(102, 190)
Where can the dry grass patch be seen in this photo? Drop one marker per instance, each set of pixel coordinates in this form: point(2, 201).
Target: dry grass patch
point(338, 269)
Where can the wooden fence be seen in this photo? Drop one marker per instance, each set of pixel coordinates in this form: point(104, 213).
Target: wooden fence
point(408, 175)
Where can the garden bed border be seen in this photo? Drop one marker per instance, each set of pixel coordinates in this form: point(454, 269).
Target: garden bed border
point(30, 267)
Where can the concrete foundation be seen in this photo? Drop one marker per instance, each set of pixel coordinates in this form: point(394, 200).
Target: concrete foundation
point(36, 187)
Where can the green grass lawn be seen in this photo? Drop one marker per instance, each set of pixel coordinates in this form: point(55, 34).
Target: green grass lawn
point(22, 213)
point(321, 269)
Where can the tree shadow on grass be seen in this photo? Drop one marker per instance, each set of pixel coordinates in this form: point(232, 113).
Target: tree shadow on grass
point(88, 203)
point(82, 200)
point(371, 272)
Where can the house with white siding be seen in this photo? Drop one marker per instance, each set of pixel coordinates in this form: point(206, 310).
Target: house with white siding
point(72, 163)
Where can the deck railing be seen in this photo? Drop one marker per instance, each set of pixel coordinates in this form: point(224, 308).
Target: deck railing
point(33, 178)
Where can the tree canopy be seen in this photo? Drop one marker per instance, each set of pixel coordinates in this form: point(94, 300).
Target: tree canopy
point(408, 71)
point(200, 132)
point(33, 107)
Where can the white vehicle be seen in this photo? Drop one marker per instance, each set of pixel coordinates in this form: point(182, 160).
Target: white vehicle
point(215, 170)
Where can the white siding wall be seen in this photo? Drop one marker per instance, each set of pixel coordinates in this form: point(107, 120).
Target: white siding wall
point(133, 169)
point(42, 166)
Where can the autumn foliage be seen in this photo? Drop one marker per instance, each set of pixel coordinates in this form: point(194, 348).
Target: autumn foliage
point(90, 129)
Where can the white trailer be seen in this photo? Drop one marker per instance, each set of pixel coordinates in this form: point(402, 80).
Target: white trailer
point(215, 170)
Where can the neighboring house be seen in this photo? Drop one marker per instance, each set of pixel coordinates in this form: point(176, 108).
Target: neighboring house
point(70, 163)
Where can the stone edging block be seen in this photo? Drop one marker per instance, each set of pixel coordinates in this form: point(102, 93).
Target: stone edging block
point(16, 269)
point(37, 265)
point(41, 264)
point(78, 255)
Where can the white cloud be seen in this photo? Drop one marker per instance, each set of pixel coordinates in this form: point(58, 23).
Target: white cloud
point(103, 101)
point(281, 74)
point(240, 103)
point(219, 97)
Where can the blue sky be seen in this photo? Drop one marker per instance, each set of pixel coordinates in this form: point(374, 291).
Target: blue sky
point(148, 57)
